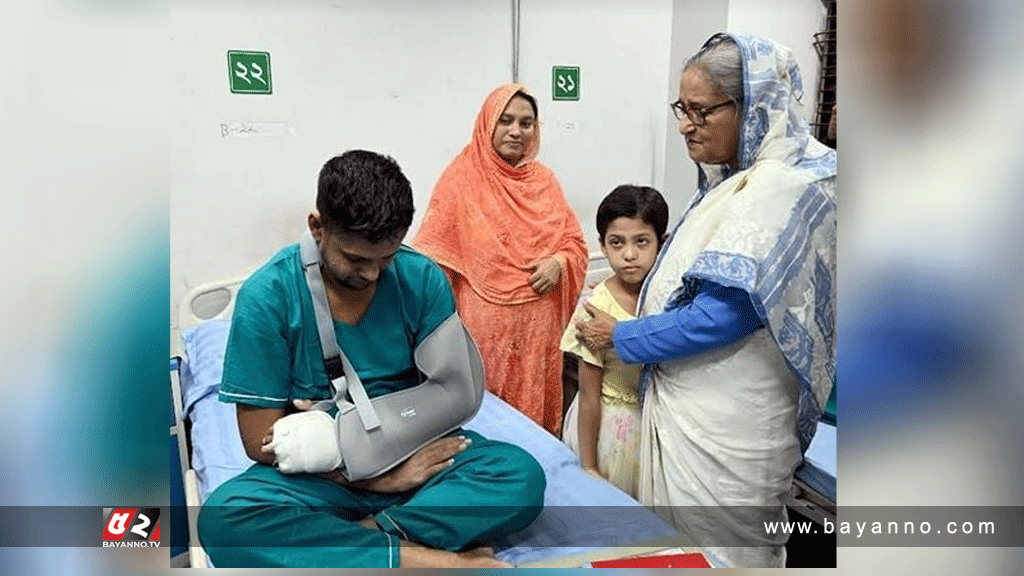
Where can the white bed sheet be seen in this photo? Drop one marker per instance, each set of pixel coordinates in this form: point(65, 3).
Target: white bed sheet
point(818, 471)
point(822, 451)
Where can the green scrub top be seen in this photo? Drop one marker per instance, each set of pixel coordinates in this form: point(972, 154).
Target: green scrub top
point(274, 355)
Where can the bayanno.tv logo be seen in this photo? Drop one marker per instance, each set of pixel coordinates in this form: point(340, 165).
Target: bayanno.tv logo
point(131, 527)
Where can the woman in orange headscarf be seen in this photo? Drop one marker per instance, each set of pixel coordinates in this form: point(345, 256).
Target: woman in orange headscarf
point(499, 225)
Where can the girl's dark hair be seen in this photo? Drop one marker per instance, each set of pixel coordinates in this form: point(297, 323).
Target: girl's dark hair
point(365, 194)
point(631, 201)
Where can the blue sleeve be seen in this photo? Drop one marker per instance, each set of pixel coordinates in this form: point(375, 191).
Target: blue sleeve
point(717, 316)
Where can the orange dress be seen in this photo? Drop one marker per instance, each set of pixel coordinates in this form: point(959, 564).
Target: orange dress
point(486, 222)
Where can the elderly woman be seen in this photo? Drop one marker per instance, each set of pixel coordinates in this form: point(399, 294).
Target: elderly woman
point(737, 315)
point(499, 225)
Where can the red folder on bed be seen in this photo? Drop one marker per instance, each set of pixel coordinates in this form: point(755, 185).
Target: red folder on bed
point(688, 560)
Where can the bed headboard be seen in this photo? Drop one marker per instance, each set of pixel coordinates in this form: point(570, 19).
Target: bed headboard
point(206, 302)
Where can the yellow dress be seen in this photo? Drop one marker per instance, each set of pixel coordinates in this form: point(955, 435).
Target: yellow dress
point(618, 440)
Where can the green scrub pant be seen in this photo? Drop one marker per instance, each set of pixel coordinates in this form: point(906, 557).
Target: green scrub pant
point(263, 518)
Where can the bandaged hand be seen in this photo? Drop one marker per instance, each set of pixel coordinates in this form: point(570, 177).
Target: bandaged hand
point(305, 442)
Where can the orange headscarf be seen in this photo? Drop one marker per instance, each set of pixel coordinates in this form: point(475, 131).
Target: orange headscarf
point(488, 220)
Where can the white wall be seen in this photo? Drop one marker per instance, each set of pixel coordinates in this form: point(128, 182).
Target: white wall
point(615, 133)
point(403, 77)
point(407, 77)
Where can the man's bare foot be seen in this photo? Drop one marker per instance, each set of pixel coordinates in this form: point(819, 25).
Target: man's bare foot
point(482, 557)
point(369, 522)
point(417, 557)
point(481, 551)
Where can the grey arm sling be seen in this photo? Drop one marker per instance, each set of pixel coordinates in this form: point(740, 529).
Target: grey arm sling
point(375, 435)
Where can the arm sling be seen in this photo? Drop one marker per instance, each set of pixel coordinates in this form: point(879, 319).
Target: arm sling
point(375, 435)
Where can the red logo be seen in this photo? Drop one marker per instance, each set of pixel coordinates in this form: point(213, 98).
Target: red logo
point(131, 527)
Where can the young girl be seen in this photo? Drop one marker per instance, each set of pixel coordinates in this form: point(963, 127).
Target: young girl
point(603, 423)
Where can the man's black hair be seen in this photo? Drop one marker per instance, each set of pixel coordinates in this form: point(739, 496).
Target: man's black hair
point(364, 194)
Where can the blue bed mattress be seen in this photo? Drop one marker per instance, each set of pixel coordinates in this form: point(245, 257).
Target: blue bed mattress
point(581, 512)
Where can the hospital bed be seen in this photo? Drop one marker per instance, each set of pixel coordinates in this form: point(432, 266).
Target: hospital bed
point(584, 518)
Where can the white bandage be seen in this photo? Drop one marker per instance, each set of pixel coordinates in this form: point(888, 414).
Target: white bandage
point(305, 442)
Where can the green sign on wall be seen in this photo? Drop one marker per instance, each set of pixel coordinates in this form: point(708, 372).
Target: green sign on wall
point(565, 82)
point(249, 72)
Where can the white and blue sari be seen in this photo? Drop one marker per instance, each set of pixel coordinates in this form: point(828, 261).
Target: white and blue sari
point(724, 430)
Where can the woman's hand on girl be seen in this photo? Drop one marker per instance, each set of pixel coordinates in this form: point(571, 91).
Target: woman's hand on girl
point(596, 333)
point(547, 272)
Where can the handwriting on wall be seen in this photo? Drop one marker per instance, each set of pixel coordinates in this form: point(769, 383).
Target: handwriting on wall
point(253, 129)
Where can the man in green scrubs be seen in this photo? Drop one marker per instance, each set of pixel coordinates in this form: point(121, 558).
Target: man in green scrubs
point(442, 506)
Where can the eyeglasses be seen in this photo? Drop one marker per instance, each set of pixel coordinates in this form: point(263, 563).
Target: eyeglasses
point(696, 115)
